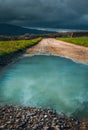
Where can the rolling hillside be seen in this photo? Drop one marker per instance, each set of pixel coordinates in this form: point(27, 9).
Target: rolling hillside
point(7, 29)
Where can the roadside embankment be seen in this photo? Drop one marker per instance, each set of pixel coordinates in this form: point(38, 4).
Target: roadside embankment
point(11, 50)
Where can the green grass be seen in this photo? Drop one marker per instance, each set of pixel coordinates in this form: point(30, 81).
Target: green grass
point(82, 41)
point(8, 47)
point(9, 50)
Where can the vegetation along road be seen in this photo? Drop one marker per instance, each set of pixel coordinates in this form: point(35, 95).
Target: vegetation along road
point(10, 50)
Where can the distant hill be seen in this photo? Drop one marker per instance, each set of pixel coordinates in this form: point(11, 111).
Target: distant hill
point(8, 29)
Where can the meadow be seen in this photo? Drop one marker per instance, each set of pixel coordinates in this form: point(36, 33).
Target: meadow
point(82, 41)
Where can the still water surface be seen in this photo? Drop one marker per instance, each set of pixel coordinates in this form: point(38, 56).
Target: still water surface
point(46, 81)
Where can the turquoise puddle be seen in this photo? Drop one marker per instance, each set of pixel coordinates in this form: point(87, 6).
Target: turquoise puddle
point(47, 82)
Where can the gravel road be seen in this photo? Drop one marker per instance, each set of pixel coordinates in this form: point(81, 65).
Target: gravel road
point(60, 48)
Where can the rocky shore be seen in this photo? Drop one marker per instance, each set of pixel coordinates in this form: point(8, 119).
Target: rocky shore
point(27, 118)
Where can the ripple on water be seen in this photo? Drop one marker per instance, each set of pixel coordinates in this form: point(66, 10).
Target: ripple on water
point(46, 81)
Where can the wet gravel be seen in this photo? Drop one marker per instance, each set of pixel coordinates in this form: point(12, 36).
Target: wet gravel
point(27, 118)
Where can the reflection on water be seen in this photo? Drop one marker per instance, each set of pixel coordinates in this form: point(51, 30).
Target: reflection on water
point(46, 81)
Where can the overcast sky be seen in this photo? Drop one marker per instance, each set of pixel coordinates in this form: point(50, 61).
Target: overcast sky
point(45, 13)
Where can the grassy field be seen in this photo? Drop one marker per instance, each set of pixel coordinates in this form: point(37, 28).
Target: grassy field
point(10, 49)
point(7, 47)
point(82, 41)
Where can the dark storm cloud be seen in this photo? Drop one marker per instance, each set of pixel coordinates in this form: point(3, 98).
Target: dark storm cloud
point(44, 12)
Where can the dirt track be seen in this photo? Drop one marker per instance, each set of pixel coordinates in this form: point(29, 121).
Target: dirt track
point(56, 47)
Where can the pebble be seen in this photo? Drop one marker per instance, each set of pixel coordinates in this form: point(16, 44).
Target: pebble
point(27, 118)
point(45, 116)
